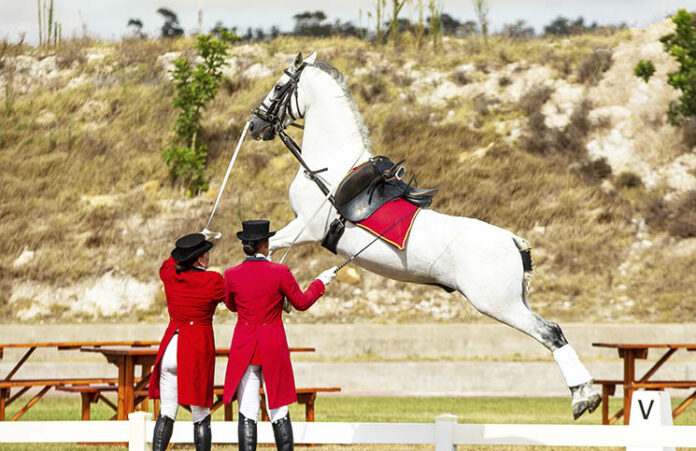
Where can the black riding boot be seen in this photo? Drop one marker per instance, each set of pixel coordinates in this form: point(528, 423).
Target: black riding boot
point(162, 434)
point(246, 431)
point(202, 435)
point(282, 431)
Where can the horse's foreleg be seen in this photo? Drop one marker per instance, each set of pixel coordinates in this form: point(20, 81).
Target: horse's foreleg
point(285, 236)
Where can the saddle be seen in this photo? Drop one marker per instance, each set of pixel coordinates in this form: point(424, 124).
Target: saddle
point(373, 184)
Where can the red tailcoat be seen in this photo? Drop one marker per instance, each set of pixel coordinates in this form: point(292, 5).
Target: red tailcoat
point(255, 290)
point(191, 300)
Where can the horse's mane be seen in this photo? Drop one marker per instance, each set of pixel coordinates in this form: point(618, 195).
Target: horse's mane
point(338, 77)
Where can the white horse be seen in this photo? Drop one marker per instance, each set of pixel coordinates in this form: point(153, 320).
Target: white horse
point(479, 260)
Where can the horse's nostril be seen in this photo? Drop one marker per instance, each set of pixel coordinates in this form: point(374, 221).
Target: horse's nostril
point(251, 126)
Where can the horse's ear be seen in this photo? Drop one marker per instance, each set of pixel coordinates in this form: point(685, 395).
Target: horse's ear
point(311, 58)
point(298, 61)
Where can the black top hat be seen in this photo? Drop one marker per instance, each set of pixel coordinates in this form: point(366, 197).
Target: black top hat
point(191, 246)
point(255, 230)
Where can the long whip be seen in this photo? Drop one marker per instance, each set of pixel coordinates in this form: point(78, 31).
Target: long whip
point(311, 218)
point(328, 196)
point(217, 235)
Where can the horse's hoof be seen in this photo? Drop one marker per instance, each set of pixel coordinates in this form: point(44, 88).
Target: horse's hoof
point(579, 408)
point(584, 399)
point(595, 401)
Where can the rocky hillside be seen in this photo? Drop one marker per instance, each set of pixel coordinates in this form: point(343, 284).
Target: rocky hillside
point(553, 139)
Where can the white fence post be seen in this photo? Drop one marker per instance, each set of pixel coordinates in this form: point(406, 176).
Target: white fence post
point(444, 432)
point(137, 438)
point(649, 407)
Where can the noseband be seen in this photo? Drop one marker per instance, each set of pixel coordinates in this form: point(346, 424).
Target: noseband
point(281, 106)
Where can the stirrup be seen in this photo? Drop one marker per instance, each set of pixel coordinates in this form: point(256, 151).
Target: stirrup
point(419, 193)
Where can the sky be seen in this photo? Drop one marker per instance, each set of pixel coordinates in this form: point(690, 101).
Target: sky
point(107, 19)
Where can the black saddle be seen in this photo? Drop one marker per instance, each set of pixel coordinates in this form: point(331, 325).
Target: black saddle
point(374, 183)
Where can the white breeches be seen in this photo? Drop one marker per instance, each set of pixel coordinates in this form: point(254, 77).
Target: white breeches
point(169, 403)
point(248, 395)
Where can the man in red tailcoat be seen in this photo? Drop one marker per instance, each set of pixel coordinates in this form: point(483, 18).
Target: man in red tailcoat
point(259, 353)
point(185, 365)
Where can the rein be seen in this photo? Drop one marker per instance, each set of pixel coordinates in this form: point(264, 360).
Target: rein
point(277, 112)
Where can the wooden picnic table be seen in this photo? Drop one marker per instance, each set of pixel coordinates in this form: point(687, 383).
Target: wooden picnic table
point(130, 392)
point(9, 383)
point(629, 352)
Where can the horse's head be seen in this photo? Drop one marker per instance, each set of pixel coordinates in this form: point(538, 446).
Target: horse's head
point(282, 105)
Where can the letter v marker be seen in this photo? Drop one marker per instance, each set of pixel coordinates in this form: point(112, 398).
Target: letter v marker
point(642, 410)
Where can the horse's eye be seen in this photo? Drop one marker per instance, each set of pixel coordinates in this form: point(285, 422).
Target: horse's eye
point(277, 88)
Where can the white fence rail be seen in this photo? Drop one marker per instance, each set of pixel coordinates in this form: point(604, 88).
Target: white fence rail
point(444, 433)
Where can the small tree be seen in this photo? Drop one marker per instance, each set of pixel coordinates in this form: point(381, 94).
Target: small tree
point(310, 23)
point(469, 28)
point(435, 23)
point(682, 46)
point(223, 33)
point(562, 26)
point(419, 28)
point(644, 69)
point(171, 27)
point(379, 17)
point(195, 86)
point(518, 30)
point(394, 25)
point(450, 25)
point(137, 26)
point(50, 31)
point(482, 9)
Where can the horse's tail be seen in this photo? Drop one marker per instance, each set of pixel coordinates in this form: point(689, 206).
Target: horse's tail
point(525, 252)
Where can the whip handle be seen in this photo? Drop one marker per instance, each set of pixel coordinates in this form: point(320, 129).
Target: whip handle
point(227, 174)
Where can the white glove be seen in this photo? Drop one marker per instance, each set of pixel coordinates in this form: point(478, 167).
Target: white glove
point(211, 235)
point(327, 276)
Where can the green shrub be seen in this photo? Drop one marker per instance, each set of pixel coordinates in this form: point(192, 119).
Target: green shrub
point(535, 98)
point(644, 69)
point(187, 155)
point(682, 46)
point(595, 170)
point(628, 179)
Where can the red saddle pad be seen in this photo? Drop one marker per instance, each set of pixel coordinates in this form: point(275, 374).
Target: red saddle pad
point(396, 218)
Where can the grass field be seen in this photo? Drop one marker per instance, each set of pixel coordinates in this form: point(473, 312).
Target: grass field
point(373, 409)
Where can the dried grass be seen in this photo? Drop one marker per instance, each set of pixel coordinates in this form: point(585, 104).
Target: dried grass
point(592, 67)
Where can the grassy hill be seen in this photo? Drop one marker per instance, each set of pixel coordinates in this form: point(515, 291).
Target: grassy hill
point(552, 139)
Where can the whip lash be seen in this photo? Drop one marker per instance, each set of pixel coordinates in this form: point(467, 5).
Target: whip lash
point(205, 231)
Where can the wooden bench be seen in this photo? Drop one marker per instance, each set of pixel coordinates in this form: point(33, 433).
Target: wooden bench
point(91, 394)
point(7, 384)
point(306, 396)
point(609, 389)
point(6, 387)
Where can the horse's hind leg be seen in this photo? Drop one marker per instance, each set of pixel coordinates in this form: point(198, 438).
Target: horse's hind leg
point(508, 305)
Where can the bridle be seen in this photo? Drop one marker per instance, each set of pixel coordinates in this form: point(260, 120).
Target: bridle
point(275, 115)
point(281, 106)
